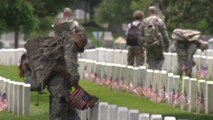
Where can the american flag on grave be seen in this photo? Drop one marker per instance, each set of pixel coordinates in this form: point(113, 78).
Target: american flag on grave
point(130, 88)
point(3, 102)
point(178, 98)
point(121, 85)
point(149, 92)
point(86, 73)
point(114, 84)
point(200, 101)
point(105, 81)
point(202, 73)
point(79, 99)
point(94, 77)
point(155, 97)
point(139, 90)
point(183, 99)
point(170, 96)
point(162, 93)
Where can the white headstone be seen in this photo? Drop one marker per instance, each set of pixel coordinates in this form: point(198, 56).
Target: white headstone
point(113, 110)
point(170, 87)
point(20, 98)
point(163, 79)
point(210, 65)
point(149, 78)
point(156, 80)
point(10, 97)
point(122, 113)
point(144, 116)
point(169, 118)
point(174, 62)
point(136, 74)
point(192, 94)
point(26, 99)
point(133, 115)
point(100, 112)
point(156, 117)
point(142, 77)
point(209, 97)
point(202, 94)
point(185, 89)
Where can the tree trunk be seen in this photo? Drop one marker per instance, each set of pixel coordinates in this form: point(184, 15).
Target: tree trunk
point(16, 44)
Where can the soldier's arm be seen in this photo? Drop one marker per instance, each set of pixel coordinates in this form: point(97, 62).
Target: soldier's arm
point(165, 36)
point(71, 61)
point(81, 37)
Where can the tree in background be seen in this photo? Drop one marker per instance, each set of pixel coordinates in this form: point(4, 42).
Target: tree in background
point(18, 16)
point(114, 12)
point(46, 11)
point(142, 5)
point(190, 14)
point(3, 25)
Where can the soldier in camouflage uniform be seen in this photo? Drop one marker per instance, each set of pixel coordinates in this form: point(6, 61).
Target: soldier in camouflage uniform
point(135, 53)
point(185, 51)
point(58, 86)
point(157, 45)
point(187, 42)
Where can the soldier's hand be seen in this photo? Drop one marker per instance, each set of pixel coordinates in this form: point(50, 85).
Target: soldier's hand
point(75, 84)
point(79, 41)
point(166, 50)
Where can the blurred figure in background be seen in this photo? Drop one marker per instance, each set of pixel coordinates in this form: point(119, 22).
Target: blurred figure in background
point(135, 52)
point(154, 38)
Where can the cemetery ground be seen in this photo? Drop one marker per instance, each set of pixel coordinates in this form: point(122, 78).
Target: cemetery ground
point(105, 94)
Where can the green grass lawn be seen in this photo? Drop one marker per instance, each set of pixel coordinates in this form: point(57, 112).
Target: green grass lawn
point(105, 94)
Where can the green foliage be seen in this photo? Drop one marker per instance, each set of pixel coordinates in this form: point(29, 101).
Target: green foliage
point(191, 14)
point(19, 15)
point(114, 12)
point(45, 8)
point(3, 25)
point(141, 5)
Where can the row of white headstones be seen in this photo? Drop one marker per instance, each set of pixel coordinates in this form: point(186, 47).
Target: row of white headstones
point(17, 96)
point(105, 111)
point(118, 56)
point(158, 79)
point(202, 59)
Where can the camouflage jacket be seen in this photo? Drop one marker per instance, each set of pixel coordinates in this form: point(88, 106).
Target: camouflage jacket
point(161, 28)
point(70, 48)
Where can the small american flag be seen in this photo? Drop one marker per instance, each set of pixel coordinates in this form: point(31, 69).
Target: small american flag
point(200, 101)
point(79, 99)
point(202, 73)
point(162, 93)
point(139, 90)
point(3, 102)
point(86, 73)
point(155, 97)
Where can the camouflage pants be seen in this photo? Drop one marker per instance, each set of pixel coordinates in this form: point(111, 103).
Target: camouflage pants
point(135, 54)
point(155, 57)
point(185, 51)
point(59, 90)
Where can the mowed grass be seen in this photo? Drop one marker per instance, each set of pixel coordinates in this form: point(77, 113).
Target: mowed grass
point(105, 94)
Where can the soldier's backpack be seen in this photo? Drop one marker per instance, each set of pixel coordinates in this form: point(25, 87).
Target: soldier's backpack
point(44, 54)
point(186, 35)
point(132, 36)
point(152, 35)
